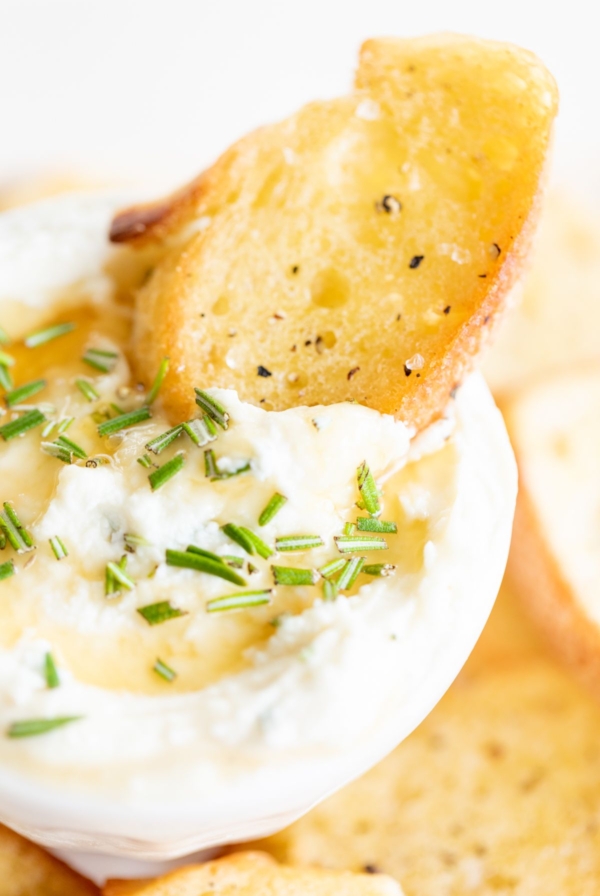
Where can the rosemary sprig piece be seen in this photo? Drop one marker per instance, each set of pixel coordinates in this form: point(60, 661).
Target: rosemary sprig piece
point(289, 575)
point(22, 425)
point(163, 369)
point(22, 393)
point(58, 548)
point(349, 529)
point(201, 431)
point(132, 542)
point(232, 560)
point(7, 570)
point(159, 477)
point(164, 671)
point(145, 461)
point(372, 524)
point(379, 569)
point(124, 421)
point(350, 573)
point(86, 389)
point(163, 441)
point(64, 449)
point(241, 601)
point(50, 671)
point(155, 614)
point(262, 549)
point(5, 359)
point(64, 425)
point(17, 535)
point(117, 571)
point(33, 727)
point(298, 542)
point(6, 380)
point(40, 337)
point(348, 544)
point(272, 508)
point(71, 446)
point(330, 590)
point(213, 408)
point(368, 489)
point(111, 582)
point(201, 563)
point(240, 535)
point(332, 568)
point(100, 360)
point(214, 473)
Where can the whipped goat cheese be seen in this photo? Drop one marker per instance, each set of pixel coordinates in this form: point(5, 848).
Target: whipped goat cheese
point(251, 712)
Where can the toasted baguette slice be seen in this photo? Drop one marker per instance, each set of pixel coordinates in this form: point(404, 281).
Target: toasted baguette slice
point(556, 324)
point(361, 249)
point(256, 874)
point(497, 792)
point(555, 553)
point(28, 870)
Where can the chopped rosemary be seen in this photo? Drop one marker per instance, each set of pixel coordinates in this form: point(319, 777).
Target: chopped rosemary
point(212, 471)
point(132, 542)
point(349, 528)
point(159, 477)
point(22, 425)
point(330, 590)
point(163, 441)
point(112, 581)
point(232, 560)
point(164, 671)
point(289, 575)
point(6, 381)
point(86, 389)
point(39, 337)
point(241, 601)
point(163, 369)
point(298, 542)
point(124, 421)
point(201, 563)
point(58, 548)
point(50, 671)
point(213, 408)
point(64, 449)
point(372, 524)
point(64, 425)
point(347, 544)
point(33, 727)
point(5, 359)
point(263, 550)
point(7, 570)
point(22, 393)
point(201, 431)
point(332, 568)
point(202, 552)
point(100, 360)
point(17, 535)
point(120, 577)
point(368, 489)
point(379, 569)
point(145, 461)
point(162, 611)
point(240, 535)
point(350, 573)
point(272, 508)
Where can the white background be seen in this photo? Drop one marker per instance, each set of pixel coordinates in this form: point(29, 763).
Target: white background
point(150, 91)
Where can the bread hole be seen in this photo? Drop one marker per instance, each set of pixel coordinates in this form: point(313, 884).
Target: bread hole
point(330, 289)
point(325, 340)
point(221, 306)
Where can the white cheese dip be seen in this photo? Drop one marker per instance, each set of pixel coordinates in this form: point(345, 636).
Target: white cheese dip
point(271, 706)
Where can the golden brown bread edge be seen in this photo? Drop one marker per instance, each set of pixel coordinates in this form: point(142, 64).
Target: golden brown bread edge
point(415, 402)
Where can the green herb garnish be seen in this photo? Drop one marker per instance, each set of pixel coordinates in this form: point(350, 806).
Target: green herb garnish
point(17, 535)
point(5, 359)
point(154, 614)
point(58, 548)
point(350, 573)
point(124, 421)
point(332, 568)
point(163, 441)
point(263, 550)
point(164, 671)
point(298, 542)
point(100, 360)
point(272, 508)
point(212, 471)
point(159, 477)
point(50, 671)
point(39, 337)
point(289, 575)
point(22, 393)
point(379, 569)
point(213, 408)
point(135, 541)
point(241, 601)
point(6, 381)
point(7, 570)
point(145, 461)
point(201, 431)
point(192, 559)
point(33, 727)
point(22, 425)
point(368, 489)
point(330, 590)
point(119, 576)
point(372, 524)
point(112, 581)
point(349, 529)
point(246, 539)
point(347, 544)
point(87, 390)
point(163, 369)
point(64, 449)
